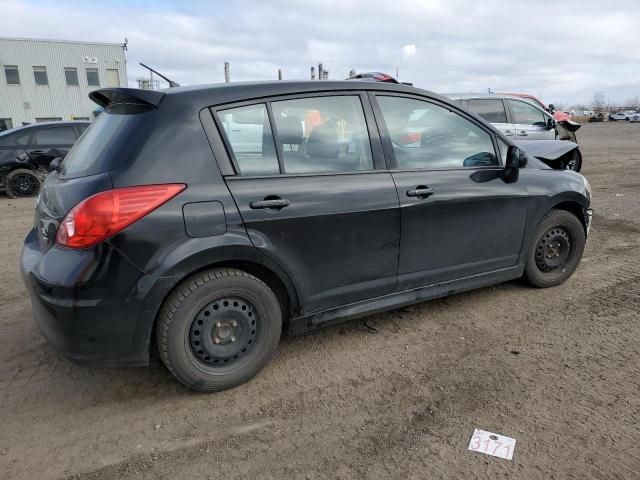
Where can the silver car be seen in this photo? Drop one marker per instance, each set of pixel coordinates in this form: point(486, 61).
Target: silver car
point(513, 116)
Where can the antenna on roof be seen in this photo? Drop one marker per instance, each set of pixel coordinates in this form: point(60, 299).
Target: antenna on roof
point(171, 82)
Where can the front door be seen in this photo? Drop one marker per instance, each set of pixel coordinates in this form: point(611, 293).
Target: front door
point(311, 198)
point(459, 215)
point(530, 122)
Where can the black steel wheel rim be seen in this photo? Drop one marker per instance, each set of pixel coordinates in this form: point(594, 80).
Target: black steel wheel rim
point(554, 250)
point(224, 331)
point(24, 184)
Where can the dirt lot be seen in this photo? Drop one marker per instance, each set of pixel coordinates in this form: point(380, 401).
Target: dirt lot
point(557, 369)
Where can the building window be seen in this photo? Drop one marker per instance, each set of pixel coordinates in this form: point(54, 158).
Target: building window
point(40, 75)
point(113, 77)
point(48, 119)
point(12, 74)
point(71, 75)
point(92, 77)
point(80, 118)
point(5, 124)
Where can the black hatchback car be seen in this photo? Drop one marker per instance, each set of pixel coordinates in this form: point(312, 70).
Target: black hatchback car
point(26, 154)
point(214, 218)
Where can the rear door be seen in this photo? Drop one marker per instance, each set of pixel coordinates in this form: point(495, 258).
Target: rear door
point(315, 196)
point(49, 143)
point(460, 216)
point(493, 111)
point(529, 121)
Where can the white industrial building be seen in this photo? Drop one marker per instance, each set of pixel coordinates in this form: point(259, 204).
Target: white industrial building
point(44, 80)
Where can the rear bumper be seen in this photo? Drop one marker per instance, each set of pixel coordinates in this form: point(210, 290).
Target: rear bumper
point(92, 306)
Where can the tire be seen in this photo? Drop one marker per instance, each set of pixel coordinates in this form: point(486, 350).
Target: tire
point(22, 182)
point(574, 162)
point(542, 269)
point(218, 329)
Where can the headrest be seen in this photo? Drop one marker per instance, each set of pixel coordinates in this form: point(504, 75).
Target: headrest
point(323, 142)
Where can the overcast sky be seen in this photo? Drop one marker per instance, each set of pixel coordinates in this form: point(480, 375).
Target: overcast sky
point(564, 50)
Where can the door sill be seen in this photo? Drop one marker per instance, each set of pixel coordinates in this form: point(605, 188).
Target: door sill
point(400, 299)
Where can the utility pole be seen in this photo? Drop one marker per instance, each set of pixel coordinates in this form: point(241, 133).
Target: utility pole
point(227, 76)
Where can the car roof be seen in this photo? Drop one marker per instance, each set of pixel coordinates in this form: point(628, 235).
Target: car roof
point(466, 96)
point(221, 93)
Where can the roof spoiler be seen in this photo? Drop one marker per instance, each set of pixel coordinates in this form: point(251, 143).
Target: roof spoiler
point(128, 96)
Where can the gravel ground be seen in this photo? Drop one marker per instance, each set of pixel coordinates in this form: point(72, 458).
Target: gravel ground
point(557, 369)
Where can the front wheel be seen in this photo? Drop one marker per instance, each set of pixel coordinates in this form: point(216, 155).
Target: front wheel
point(23, 183)
point(218, 329)
point(556, 249)
point(575, 161)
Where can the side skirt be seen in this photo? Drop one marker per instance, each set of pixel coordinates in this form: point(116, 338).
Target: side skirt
point(400, 299)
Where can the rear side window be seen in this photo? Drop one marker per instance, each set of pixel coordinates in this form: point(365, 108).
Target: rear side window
point(249, 134)
point(322, 134)
point(55, 136)
point(428, 136)
point(526, 114)
point(491, 109)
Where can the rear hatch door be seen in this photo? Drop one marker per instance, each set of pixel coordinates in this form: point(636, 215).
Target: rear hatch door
point(105, 145)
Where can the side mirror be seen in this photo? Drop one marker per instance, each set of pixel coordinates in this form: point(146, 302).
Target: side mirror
point(55, 164)
point(551, 123)
point(516, 158)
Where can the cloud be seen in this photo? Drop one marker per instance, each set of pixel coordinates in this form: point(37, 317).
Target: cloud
point(564, 51)
point(409, 50)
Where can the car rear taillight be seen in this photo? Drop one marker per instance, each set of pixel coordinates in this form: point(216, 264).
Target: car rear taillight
point(103, 215)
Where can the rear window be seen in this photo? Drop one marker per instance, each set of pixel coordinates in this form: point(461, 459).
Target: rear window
point(101, 145)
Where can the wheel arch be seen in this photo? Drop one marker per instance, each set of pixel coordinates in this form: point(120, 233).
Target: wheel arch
point(242, 258)
point(574, 207)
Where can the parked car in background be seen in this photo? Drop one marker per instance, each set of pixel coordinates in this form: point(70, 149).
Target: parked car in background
point(626, 115)
point(524, 122)
point(634, 117)
point(214, 244)
point(513, 116)
point(26, 154)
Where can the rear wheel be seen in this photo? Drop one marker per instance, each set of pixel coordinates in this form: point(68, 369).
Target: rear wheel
point(23, 183)
point(218, 329)
point(556, 249)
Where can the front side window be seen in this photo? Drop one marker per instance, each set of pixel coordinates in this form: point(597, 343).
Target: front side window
point(12, 74)
point(250, 139)
point(71, 76)
point(8, 138)
point(92, 77)
point(491, 109)
point(55, 136)
point(526, 114)
point(322, 134)
point(428, 136)
point(40, 75)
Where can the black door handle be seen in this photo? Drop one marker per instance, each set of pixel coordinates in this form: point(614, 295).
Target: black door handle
point(37, 152)
point(274, 203)
point(420, 191)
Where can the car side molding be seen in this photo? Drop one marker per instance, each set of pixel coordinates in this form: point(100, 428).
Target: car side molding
point(392, 301)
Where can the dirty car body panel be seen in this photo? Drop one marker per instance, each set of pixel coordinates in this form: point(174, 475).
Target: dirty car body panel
point(344, 245)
